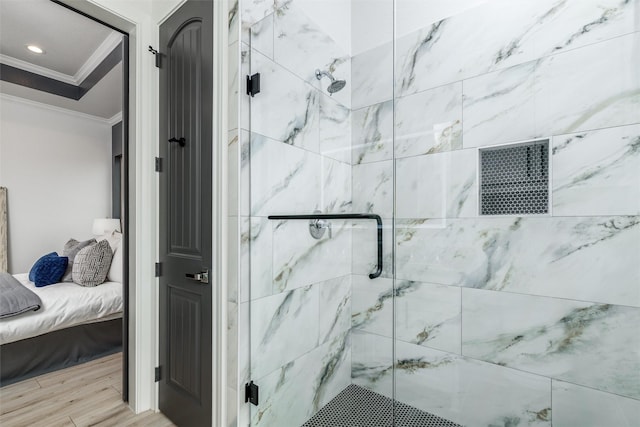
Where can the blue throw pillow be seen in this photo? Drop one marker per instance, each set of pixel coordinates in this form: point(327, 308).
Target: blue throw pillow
point(32, 272)
point(49, 270)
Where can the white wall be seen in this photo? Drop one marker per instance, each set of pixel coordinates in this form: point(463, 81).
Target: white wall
point(57, 168)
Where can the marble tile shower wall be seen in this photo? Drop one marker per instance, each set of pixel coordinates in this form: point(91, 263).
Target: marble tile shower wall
point(505, 320)
point(290, 295)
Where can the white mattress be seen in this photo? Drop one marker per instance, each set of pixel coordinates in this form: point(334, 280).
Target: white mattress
point(63, 305)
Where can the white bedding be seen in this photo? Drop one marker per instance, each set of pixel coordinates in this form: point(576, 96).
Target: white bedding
point(63, 305)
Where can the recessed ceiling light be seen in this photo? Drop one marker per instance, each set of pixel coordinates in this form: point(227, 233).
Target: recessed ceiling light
point(35, 49)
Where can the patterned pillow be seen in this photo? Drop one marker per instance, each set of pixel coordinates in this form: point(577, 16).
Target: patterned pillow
point(71, 248)
point(92, 263)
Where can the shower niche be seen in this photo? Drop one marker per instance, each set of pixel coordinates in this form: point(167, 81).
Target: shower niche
point(514, 179)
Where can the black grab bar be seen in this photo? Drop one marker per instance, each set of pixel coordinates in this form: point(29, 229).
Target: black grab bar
point(378, 271)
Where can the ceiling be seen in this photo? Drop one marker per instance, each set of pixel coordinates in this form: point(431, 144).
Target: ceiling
point(74, 45)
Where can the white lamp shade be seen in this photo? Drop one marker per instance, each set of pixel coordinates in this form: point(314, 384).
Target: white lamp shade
point(105, 225)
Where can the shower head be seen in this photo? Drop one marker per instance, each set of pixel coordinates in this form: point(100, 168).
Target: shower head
point(335, 86)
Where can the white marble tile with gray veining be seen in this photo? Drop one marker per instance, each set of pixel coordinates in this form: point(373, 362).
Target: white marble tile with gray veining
point(233, 258)
point(335, 308)
point(597, 172)
point(287, 108)
point(373, 188)
point(372, 74)
point(233, 172)
point(261, 36)
point(335, 130)
point(244, 183)
point(585, 407)
point(283, 328)
point(371, 362)
point(544, 335)
point(503, 33)
point(233, 68)
point(245, 101)
point(300, 260)
point(252, 11)
point(372, 133)
point(429, 122)
point(365, 247)
point(372, 305)
point(468, 391)
point(257, 258)
point(585, 258)
point(547, 97)
point(428, 314)
point(441, 185)
point(294, 392)
point(232, 345)
point(284, 179)
point(335, 186)
point(301, 46)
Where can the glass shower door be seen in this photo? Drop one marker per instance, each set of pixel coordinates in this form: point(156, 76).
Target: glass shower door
point(319, 327)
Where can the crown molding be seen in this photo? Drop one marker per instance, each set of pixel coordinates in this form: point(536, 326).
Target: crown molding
point(29, 102)
point(96, 58)
point(99, 55)
point(46, 72)
point(115, 119)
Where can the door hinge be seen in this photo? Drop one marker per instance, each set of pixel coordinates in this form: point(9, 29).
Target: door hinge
point(251, 393)
point(158, 164)
point(157, 54)
point(156, 373)
point(158, 269)
point(253, 85)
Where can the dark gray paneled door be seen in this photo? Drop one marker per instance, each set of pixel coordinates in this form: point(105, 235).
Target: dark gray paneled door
point(186, 90)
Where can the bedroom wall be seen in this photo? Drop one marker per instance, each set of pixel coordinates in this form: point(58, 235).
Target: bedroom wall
point(57, 167)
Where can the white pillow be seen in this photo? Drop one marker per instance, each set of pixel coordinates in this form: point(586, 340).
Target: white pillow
point(115, 271)
point(113, 237)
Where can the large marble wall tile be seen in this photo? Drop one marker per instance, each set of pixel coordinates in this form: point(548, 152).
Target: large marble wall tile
point(587, 258)
point(547, 97)
point(244, 343)
point(335, 308)
point(500, 107)
point(252, 11)
point(300, 260)
point(585, 407)
point(233, 21)
point(372, 305)
point(283, 328)
point(372, 74)
point(302, 46)
point(365, 247)
point(262, 35)
point(233, 172)
point(232, 345)
point(470, 392)
point(284, 179)
point(294, 392)
point(544, 335)
point(286, 108)
point(256, 258)
point(233, 258)
point(372, 133)
point(335, 186)
point(428, 314)
point(606, 92)
point(245, 101)
point(503, 33)
point(233, 68)
point(597, 172)
point(371, 362)
point(373, 188)
point(429, 122)
point(335, 130)
point(441, 185)
point(244, 189)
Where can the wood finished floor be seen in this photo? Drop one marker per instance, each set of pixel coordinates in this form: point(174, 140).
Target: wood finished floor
point(84, 395)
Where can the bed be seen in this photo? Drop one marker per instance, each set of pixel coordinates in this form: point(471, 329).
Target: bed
point(74, 325)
